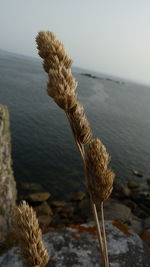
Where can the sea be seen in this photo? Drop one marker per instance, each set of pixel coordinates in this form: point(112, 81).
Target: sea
point(43, 148)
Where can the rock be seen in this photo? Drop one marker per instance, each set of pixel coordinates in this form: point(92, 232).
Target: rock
point(67, 211)
point(133, 184)
point(77, 246)
point(142, 199)
point(137, 173)
point(131, 204)
point(44, 220)
point(116, 211)
point(43, 209)
point(8, 190)
point(141, 213)
point(85, 210)
point(31, 186)
point(135, 225)
point(58, 210)
point(63, 215)
point(147, 223)
point(146, 236)
point(56, 204)
point(38, 197)
point(121, 191)
point(148, 181)
point(89, 75)
point(78, 196)
point(61, 221)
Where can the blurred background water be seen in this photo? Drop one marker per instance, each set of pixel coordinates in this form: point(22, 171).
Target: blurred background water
point(43, 148)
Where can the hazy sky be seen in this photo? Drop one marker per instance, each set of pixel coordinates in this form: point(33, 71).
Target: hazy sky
point(109, 36)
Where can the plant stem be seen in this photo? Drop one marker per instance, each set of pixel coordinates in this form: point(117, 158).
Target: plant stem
point(99, 235)
point(104, 234)
point(102, 252)
point(82, 153)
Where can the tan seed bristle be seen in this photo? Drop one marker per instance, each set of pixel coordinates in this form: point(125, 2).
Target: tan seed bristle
point(30, 236)
point(80, 124)
point(61, 85)
point(100, 177)
point(57, 63)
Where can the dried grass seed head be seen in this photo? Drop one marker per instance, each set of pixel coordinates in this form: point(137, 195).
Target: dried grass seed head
point(52, 50)
point(61, 82)
point(57, 63)
point(30, 236)
point(80, 124)
point(100, 177)
point(61, 85)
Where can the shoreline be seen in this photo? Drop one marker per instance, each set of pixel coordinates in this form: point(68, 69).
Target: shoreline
point(127, 209)
point(127, 205)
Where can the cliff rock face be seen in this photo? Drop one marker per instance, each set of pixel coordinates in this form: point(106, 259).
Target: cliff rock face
point(7, 182)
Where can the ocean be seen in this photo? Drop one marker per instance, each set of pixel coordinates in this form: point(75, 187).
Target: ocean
point(43, 148)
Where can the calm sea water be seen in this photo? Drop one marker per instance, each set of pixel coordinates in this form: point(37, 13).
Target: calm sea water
point(43, 149)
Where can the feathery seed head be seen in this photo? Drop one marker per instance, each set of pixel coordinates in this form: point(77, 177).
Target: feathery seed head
point(30, 236)
point(80, 124)
point(52, 50)
point(61, 85)
point(100, 177)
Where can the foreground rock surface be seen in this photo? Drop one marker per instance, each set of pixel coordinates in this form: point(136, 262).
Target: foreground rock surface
point(77, 246)
point(7, 182)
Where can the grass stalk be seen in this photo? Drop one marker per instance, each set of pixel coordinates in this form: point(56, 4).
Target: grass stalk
point(104, 233)
point(61, 87)
point(94, 209)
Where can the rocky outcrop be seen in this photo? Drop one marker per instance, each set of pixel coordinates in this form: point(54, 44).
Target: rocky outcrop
point(77, 246)
point(7, 182)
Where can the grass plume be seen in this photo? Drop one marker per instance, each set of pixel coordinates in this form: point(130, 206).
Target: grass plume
point(100, 177)
point(61, 87)
point(30, 236)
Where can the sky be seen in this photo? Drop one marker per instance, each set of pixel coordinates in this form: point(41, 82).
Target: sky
point(107, 36)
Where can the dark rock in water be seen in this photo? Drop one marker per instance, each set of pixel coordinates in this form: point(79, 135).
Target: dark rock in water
point(78, 196)
point(141, 213)
point(85, 210)
point(31, 186)
point(43, 209)
point(115, 81)
point(142, 199)
point(131, 204)
point(77, 246)
point(137, 173)
point(44, 220)
point(133, 184)
point(147, 223)
point(67, 211)
point(38, 197)
point(121, 191)
point(116, 211)
point(56, 204)
point(148, 181)
point(89, 75)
